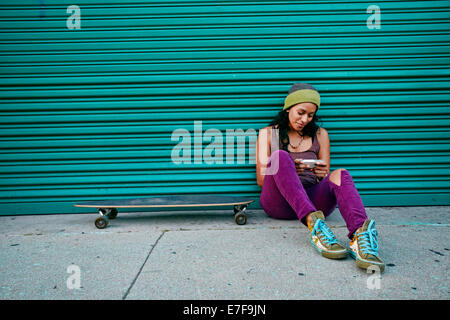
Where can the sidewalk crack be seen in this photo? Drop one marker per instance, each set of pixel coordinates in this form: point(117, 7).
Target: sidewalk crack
point(142, 267)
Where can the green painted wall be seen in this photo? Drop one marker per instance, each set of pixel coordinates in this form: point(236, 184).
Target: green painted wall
point(89, 113)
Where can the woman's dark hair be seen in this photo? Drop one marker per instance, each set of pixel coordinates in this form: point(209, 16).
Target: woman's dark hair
point(282, 120)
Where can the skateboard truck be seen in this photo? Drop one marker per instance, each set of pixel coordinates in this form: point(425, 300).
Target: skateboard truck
point(239, 214)
point(105, 215)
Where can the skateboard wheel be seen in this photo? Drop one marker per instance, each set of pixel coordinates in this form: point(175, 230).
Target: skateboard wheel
point(113, 213)
point(101, 223)
point(240, 218)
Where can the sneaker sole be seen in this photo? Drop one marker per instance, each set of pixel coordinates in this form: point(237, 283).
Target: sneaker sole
point(330, 255)
point(364, 264)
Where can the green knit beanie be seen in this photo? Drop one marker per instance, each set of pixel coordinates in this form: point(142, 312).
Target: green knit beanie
point(302, 92)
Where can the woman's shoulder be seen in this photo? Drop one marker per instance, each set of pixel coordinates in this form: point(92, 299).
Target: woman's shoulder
point(322, 135)
point(322, 132)
point(268, 129)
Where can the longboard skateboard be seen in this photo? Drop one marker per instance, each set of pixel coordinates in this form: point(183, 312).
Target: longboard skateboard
point(108, 209)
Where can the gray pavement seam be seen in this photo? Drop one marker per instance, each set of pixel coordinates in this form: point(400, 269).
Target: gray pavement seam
point(142, 267)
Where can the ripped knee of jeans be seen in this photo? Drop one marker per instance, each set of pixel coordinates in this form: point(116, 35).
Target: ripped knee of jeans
point(344, 177)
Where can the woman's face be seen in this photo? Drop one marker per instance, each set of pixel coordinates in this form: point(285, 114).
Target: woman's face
point(301, 114)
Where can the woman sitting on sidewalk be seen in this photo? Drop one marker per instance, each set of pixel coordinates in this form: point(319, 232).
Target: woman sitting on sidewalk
point(290, 190)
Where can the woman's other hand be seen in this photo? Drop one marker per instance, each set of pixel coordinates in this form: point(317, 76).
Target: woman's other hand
point(300, 166)
point(320, 170)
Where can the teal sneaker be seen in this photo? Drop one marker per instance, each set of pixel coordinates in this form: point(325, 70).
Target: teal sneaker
point(364, 246)
point(323, 239)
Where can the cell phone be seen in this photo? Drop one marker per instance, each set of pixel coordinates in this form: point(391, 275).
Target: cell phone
point(312, 162)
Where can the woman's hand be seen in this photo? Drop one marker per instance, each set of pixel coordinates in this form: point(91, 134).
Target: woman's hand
point(320, 170)
point(300, 166)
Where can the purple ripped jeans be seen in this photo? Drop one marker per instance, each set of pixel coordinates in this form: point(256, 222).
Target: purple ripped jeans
point(284, 197)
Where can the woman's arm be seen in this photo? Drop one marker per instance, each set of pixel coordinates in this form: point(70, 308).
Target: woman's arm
point(262, 153)
point(324, 153)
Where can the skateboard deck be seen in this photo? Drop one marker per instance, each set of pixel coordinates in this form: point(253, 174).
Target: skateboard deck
point(108, 208)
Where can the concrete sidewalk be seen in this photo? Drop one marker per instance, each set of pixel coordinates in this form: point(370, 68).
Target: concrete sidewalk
point(205, 255)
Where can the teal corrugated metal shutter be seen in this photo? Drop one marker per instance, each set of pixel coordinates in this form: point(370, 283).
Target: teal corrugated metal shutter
point(89, 113)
